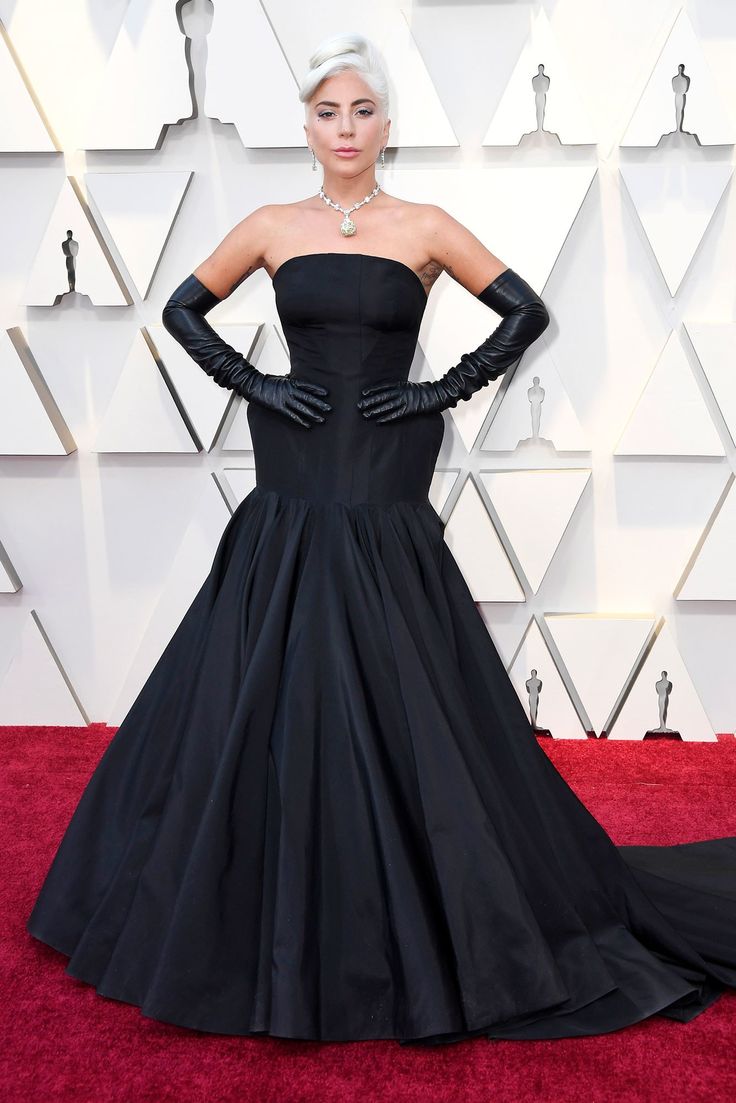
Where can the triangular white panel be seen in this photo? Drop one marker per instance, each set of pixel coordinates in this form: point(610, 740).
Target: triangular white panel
point(554, 709)
point(233, 87)
point(703, 113)
point(663, 695)
point(551, 90)
point(715, 344)
point(10, 581)
point(31, 423)
point(441, 487)
point(535, 508)
point(238, 482)
point(57, 253)
point(536, 412)
point(475, 545)
point(145, 85)
point(599, 652)
point(34, 688)
point(142, 415)
point(670, 417)
point(417, 115)
point(190, 568)
point(416, 112)
point(22, 130)
point(452, 312)
point(203, 400)
point(455, 321)
point(138, 209)
point(272, 360)
point(712, 576)
point(675, 201)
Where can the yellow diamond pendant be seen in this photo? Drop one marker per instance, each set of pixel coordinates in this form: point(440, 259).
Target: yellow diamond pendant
point(347, 227)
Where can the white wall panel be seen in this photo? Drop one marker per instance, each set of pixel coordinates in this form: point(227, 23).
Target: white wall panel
point(600, 654)
point(550, 91)
point(555, 711)
point(179, 120)
point(92, 272)
point(663, 697)
point(704, 115)
point(145, 83)
point(138, 209)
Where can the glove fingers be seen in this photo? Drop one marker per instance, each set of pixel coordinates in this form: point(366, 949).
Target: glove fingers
point(295, 417)
point(294, 404)
point(375, 398)
point(384, 408)
point(311, 400)
point(315, 388)
point(383, 387)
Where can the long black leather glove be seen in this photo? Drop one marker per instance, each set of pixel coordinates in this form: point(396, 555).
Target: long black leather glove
point(183, 317)
point(525, 318)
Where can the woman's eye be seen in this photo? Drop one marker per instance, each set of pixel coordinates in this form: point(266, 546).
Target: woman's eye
point(323, 114)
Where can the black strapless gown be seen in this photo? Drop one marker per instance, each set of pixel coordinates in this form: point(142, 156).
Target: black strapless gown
point(326, 815)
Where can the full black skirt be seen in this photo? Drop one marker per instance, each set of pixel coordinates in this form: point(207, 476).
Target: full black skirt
point(326, 816)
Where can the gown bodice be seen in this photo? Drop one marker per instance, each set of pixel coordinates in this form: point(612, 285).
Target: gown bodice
point(350, 320)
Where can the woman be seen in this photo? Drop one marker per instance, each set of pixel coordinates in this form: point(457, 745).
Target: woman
point(326, 815)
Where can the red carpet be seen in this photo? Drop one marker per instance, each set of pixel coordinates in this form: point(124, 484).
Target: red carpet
point(61, 1041)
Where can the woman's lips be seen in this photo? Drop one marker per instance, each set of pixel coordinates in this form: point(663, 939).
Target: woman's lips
point(347, 152)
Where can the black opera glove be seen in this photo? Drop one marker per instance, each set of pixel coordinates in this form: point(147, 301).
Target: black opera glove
point(524, 319)
point(183, 317)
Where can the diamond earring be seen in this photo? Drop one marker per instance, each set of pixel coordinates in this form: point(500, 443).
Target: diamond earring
point(314, 161)
point(383, 163)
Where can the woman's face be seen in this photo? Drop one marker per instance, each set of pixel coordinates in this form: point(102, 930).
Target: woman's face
point(344, 111)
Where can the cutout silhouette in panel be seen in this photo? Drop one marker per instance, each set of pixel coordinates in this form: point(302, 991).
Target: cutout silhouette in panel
point(73, 258)
point(142, 415)
point(711, 572)
point(542, 690)
point(204, 401)
point(535, 414)
point(675, 202)
point(139, 209)
point(680, 106)
point(22, 128)
point(715, 346)
point(534, 509)
point(540, 104)
point(190, 568)
point(34, 689)
point(145, 84)
point(418, 117)
point(670, 417)
point(478, 550)
point(662, 701)
point(600, 653)
point(31, 423)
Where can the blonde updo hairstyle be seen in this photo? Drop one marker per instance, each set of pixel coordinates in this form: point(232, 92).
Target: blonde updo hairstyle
point(347, 51)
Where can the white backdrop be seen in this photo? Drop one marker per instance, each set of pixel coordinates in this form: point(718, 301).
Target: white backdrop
point(600, 552)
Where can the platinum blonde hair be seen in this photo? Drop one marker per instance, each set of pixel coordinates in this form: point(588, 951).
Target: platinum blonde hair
point(347, 51)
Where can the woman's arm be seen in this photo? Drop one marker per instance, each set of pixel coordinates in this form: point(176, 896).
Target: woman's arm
point(234, 259)
point(239, 254)
point(452, 246)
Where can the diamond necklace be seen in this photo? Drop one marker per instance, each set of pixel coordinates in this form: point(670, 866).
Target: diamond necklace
point(347, 226)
